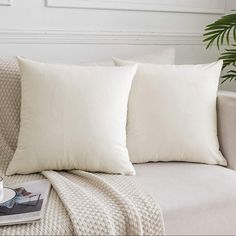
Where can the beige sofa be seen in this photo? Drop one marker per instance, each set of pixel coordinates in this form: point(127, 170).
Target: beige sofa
point(194, 198)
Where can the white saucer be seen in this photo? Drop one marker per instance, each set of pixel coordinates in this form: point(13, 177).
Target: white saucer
point(8, 194)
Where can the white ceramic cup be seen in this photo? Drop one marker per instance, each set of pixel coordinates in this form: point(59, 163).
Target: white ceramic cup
point(1, 188)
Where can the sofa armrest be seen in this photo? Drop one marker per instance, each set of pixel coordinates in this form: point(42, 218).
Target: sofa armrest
point(226, 112)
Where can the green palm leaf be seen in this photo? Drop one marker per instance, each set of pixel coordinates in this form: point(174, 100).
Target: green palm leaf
point(230, 76)
point(229, 57)
point(221, 30)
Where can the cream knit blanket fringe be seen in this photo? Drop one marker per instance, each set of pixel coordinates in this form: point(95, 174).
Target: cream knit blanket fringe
point(102, 204)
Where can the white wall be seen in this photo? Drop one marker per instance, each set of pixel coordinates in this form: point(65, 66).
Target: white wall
point(73, 31)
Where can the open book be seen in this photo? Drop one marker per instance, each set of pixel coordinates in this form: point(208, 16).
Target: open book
point(28, 203)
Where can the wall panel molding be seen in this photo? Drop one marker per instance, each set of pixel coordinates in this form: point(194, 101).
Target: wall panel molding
point(215, 6)
point(5, 2)
point(98, 37)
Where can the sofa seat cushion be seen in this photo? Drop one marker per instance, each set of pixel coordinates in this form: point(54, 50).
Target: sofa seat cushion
point(195, 198)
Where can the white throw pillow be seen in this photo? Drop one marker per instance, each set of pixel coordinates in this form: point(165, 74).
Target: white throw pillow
point(172, 113)
point(73, 117)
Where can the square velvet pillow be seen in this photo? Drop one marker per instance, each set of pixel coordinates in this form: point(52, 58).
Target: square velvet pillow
point(73, 117)
point(172, 113)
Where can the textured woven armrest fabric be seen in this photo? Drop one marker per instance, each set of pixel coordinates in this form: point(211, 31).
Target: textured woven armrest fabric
point(226, 109)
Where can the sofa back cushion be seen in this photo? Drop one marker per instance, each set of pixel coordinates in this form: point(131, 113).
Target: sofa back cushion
point(10, 95)
point(164, 55)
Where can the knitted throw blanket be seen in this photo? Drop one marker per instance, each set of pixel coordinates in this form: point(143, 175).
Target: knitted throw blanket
point(82, 203)
point(103, 204)
point(79, 203)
